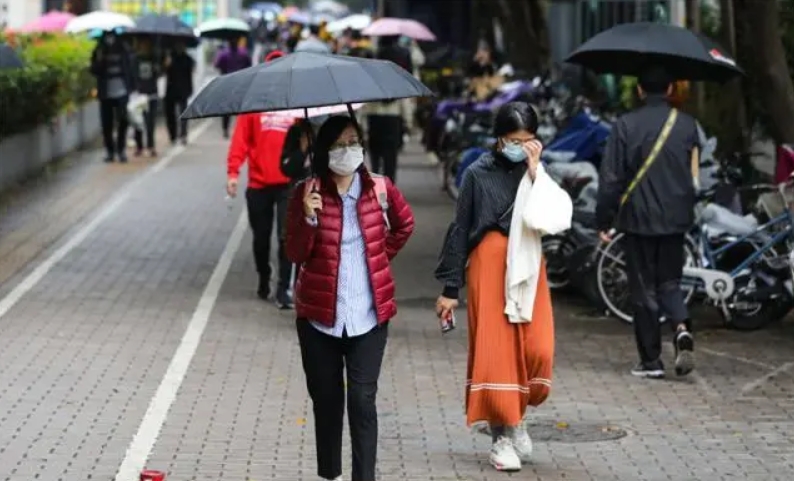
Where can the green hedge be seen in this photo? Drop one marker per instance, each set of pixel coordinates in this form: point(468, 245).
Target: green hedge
point(55, 79)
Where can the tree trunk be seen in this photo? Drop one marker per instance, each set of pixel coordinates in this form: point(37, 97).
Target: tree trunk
point(526, 33)
point(737, 138)
point(772, 79)
point(693, 23)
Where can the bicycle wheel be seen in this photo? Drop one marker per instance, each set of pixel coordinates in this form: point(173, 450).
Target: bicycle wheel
point(613, 280)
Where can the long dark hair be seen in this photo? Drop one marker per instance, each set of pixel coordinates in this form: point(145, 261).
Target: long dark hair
point(329, 133)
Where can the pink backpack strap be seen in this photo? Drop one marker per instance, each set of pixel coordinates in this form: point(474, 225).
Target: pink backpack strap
point(382, 194)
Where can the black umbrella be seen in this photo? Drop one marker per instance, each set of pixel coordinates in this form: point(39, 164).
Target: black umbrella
point(630, 48)
point(302, 80)
point(168, 27)
point(9, 58)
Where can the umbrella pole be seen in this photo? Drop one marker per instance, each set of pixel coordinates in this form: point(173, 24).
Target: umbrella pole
point(310, 138)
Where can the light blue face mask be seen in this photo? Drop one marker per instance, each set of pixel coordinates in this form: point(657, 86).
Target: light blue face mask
point(514, 153)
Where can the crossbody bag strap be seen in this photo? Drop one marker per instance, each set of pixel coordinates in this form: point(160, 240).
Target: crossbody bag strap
point(657, 147)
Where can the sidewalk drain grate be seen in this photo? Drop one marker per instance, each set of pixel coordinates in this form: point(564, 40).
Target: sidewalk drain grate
point(561, 432)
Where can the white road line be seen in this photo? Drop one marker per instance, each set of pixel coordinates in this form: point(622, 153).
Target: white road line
point(741, 359)
point(149, 429)
point(32, 279)
point(751, 386)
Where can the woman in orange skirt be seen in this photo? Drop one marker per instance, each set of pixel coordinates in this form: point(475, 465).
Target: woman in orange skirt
point(509, 365)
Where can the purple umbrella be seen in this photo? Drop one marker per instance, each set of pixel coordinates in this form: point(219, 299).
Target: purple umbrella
point(51, 22)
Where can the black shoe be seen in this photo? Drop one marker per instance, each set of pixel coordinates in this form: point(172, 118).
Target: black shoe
point(183, 140)
point(109, 158)
point(651, 370)
point(284, 301)
point(123, 158)
point(684, 352)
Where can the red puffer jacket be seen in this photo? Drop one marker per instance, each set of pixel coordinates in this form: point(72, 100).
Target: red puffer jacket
point(317, 249)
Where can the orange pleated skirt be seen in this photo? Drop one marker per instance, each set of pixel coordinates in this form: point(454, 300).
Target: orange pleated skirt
point(509, 364)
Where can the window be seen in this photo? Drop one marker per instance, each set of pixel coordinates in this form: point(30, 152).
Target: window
point(188, 10)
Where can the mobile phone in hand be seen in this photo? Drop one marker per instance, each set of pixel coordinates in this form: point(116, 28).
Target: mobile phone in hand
point(448, 324)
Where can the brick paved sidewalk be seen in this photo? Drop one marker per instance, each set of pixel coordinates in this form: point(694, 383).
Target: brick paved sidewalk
point(84, 351)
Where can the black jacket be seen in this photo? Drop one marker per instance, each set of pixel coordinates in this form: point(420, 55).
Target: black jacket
point(102, 60)
point(179, 76)
point(663, 201)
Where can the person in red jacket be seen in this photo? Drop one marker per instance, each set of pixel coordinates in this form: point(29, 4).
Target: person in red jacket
point(260, 137)
point(343, 230)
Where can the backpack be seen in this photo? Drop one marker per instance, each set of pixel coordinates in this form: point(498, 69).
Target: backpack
point(381, 193)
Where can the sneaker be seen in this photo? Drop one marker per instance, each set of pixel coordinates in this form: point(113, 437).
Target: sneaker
point(284, 300)
point(684, 353)
point(263, 292)
point(183, 140)
point(503, 455)
point(522, 443)
point(122, 157)
point(109, 157)
point(651, 370)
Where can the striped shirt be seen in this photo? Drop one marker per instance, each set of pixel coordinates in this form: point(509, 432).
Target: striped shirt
point(355, 303)
point(485, 204)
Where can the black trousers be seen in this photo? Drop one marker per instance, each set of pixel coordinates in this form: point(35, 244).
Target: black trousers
point(325, 360)
point(113, 113)
point(225, 122)
point(385, 141)
point(267, 206)
point(149, 117)
point(174, 106)
point(655, 266)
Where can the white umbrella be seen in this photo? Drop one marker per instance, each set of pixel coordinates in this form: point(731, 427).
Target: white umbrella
point(223, 28)
point(99, 20)
point(358, 21)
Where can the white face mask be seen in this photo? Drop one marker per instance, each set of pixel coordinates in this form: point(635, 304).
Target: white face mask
point(345, 160)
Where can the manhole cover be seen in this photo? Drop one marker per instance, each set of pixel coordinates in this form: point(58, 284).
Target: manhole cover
point(560, 432)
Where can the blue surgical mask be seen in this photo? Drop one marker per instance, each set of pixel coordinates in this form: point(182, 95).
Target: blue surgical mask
point(514, 153)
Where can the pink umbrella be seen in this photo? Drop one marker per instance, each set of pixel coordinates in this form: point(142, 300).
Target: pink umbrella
point(387, 26)
point(317, 111)
point(51, 22)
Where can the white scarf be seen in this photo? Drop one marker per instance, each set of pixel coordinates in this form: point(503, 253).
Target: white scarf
point(540, 208)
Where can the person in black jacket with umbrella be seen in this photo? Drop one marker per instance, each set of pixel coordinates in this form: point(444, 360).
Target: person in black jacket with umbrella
point(179, 68)
point(113, 65)
point(647, 190)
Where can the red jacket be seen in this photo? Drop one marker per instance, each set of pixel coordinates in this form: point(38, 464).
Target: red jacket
point(260, 139)
point(316, 249)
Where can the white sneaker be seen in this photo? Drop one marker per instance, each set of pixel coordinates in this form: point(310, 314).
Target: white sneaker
point(503, 456)
point(522, 443)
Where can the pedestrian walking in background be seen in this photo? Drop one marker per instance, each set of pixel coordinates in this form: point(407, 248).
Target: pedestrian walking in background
point(386, 122)
point(259, 138)
point(647, 190)
point(113, 66)
point(149, 65)
point(179, 69)
point(313, 43)
point(510, 358)
point(344, 238)
point(231, 59)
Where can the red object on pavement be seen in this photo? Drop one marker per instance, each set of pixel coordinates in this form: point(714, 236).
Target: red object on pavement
point(784, 166)
point(149, 475)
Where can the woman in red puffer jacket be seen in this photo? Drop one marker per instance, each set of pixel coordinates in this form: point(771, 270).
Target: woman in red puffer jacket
point(343, 228)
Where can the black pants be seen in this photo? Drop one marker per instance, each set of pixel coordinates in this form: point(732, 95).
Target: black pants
point(655, 266)
point(149, 117)
point(325, 358)
point(385, 141)
point(267, 206)
point(174, 106)
point(113, 112)
point(225, 121)
point(384, 162)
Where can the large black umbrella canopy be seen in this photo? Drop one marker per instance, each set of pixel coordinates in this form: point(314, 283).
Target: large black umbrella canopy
point(304, 80)
point(630, 48)
point(169, 27)
point(9, 58)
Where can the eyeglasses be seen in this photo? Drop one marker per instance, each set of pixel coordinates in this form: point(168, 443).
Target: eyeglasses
point(343, 144)
point(518, 142)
